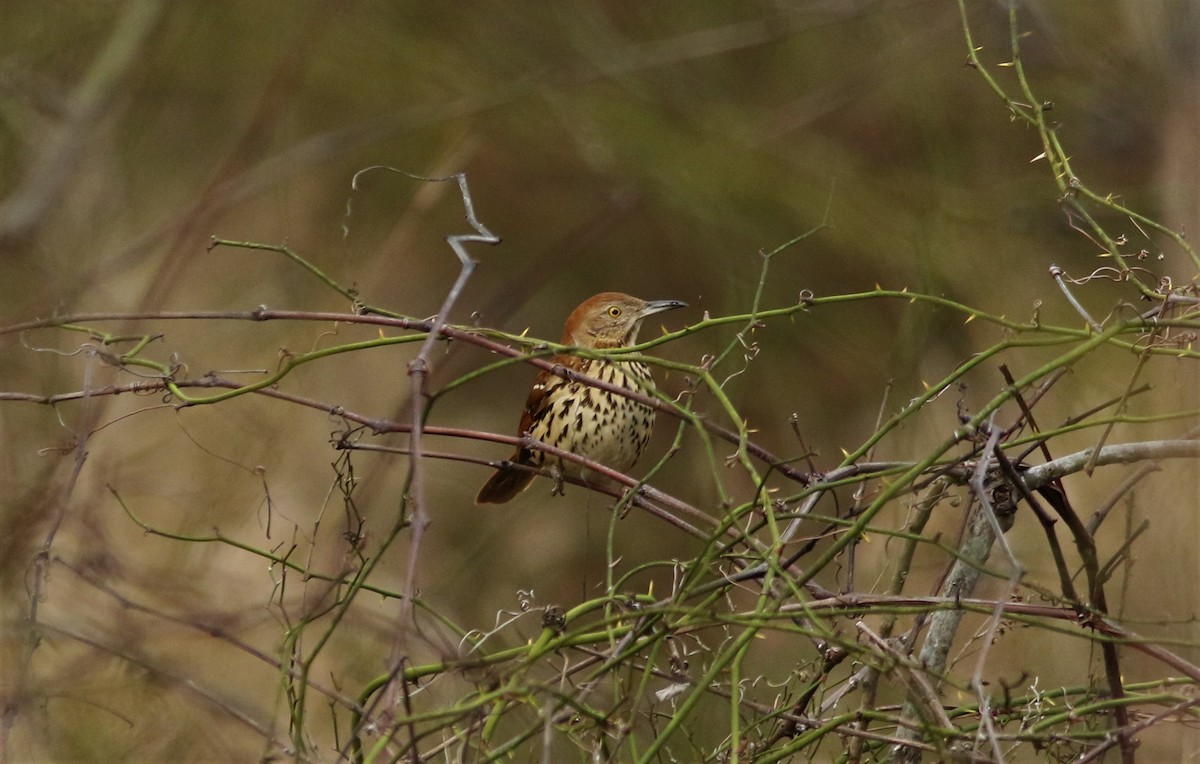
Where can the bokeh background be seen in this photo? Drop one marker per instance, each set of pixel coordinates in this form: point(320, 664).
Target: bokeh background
point(656, 149)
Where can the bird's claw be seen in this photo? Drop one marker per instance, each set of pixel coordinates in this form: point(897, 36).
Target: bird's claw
point(556, 475)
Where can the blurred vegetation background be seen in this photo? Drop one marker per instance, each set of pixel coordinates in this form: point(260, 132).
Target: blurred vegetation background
point(655, 149)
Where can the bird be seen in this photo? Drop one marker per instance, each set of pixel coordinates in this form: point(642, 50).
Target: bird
point(596, 424)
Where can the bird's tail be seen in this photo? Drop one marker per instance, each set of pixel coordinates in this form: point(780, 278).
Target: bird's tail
point(504, 484)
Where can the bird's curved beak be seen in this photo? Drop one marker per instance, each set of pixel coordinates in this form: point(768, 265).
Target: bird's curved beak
point(661, 306)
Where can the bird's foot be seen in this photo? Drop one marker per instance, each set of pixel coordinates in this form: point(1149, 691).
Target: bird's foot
point(629, 498)
point(557, 476)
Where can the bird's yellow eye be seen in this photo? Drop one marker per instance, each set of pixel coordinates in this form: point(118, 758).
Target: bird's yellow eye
point(614, 311)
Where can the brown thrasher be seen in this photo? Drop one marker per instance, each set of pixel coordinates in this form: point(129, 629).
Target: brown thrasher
point(596, 424)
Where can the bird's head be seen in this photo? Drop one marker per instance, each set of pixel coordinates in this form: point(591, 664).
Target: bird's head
point(611, 319)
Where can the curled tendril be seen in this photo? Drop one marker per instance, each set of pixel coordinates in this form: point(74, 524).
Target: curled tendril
point(1109, 273)
point(65, 353)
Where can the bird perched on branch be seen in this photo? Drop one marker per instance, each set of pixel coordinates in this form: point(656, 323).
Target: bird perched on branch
point(594, 423)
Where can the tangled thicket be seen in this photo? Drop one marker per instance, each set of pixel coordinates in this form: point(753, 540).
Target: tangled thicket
point(848, 612)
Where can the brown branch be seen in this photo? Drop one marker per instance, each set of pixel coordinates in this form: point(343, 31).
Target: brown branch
point(470, 336)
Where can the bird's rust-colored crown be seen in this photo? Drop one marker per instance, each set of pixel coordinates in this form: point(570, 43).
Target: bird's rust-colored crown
point(611, 319)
